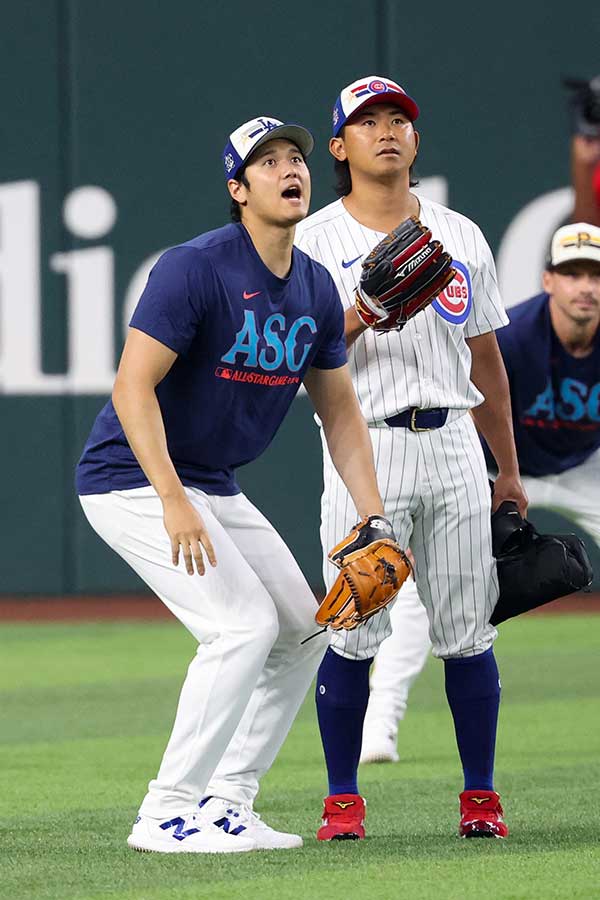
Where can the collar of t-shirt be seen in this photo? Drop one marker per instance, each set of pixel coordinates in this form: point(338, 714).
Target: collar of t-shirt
point(273, 283)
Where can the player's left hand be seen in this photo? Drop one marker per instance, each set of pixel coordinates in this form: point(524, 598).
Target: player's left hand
point(402, 275)
point(188, 535)
point(509, 487)
point(373, 569)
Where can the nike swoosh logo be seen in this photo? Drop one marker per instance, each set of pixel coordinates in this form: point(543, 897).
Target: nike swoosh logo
point(346, 265)
point(248, 296)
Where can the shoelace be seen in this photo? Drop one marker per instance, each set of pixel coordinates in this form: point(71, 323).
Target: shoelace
point(247, 814)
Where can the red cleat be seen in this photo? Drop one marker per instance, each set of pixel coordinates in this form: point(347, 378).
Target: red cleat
point(343, 818)
point(481, 815)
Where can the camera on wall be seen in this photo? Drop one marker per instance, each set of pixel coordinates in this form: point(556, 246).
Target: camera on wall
point(584, 105)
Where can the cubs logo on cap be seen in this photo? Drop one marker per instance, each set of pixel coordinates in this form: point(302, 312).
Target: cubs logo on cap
point(249, 136)
point(573, 242)
point(366, 92)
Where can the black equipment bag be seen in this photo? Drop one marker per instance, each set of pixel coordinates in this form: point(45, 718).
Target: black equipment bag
point(534, 569)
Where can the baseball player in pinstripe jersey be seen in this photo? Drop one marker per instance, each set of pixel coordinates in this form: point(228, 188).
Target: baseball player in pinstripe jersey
point(416, 388)
point(551, 351)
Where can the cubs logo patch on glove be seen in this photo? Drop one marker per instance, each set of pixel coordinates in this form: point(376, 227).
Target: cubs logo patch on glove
point(373, 568)
point(402, 275)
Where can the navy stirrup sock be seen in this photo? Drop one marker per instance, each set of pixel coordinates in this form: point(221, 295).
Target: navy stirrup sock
point(473, 692)
point(342, 696)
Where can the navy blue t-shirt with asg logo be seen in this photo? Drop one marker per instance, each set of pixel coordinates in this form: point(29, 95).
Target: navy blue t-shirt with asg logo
point(244, 338)
point(555, 396)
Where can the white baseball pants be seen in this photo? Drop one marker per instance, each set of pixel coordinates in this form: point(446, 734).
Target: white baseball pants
point(435, 491)
point(249, 614)
point(575, 494)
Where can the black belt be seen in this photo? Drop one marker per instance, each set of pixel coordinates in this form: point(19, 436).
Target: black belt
point(419, 419)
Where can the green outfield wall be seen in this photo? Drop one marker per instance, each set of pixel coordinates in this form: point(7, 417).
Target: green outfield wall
point(114, 115)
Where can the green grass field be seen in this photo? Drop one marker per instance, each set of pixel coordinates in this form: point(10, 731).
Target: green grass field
point(86, 711)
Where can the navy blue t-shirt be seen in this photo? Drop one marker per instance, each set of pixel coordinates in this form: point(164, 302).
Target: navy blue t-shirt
point(555, 396)
point(244, 339)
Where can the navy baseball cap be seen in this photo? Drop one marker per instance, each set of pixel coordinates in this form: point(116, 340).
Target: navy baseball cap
point(249, 136)
point(366, 92)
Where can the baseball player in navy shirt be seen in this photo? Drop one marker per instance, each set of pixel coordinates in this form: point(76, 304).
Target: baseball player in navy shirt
point(228, 327)
point(551, 351)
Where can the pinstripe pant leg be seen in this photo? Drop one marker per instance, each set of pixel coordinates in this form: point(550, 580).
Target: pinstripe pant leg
point(396, 475)
point(456, 573)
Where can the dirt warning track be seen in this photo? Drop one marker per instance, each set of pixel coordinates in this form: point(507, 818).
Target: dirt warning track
point(148, 607)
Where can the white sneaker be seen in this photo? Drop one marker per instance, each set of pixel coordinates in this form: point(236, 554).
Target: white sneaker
point(380, 748)
point(243, 823)
point(183, 835)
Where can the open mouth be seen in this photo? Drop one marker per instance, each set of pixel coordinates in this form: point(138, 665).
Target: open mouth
point(292, 193)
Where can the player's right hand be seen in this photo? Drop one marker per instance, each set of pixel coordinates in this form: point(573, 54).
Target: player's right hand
point(187, 533)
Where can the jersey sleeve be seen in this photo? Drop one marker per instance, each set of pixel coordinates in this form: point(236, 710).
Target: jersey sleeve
point(331, 353)
point(488, 310)
point(172, 304)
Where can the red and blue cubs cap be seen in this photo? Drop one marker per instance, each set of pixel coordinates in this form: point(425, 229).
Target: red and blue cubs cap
point(249, 136)
point(366, 92)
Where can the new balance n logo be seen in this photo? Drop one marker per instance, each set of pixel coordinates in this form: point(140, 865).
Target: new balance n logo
point(179, 834)
point(225, 824)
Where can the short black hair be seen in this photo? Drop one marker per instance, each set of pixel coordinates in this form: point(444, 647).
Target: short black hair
point(235, 210)
point(343, 178)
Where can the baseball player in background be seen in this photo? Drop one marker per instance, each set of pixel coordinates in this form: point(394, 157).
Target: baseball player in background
point(551, 351)
point(229, 325)
point(415, 388)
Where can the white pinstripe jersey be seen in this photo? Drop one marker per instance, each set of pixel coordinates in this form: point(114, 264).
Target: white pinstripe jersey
point(428, 363)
